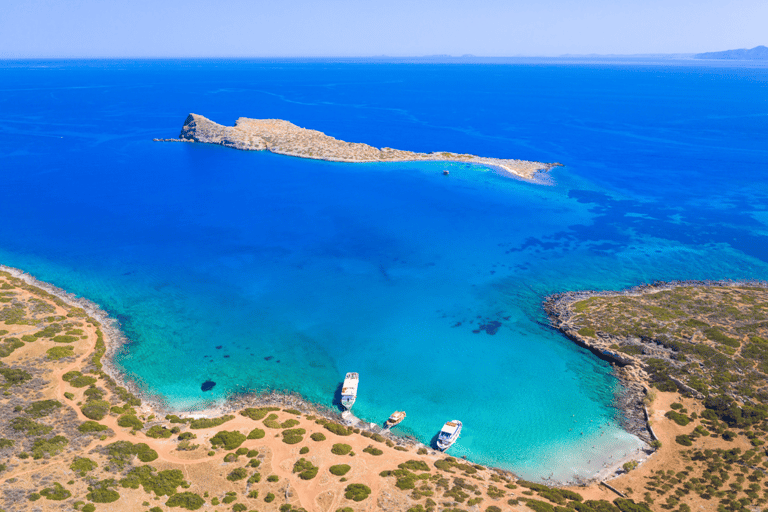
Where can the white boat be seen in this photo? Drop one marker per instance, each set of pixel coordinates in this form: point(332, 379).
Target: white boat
point(396, 418)
point(448, 434)
point(349, 390)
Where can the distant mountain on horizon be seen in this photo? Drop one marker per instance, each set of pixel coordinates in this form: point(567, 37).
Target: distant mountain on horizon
point(756, 53)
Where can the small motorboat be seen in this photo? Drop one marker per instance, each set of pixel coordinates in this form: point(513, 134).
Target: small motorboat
point(395, 418)
point(448, 434)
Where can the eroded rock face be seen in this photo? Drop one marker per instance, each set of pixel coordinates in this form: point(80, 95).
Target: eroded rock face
point(201, 129)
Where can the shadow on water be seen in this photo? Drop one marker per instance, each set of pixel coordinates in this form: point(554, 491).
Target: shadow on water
point(337, 397)
point(433, 442)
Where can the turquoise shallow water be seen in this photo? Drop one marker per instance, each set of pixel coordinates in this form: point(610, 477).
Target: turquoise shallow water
point(301, 271)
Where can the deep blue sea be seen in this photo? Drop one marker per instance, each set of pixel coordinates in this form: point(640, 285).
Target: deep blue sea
point(264, 272)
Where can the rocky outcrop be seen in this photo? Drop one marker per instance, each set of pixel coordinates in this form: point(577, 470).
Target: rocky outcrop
point(285, 138)
point(200, 129)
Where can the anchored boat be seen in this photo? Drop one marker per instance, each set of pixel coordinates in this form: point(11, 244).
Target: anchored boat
point(448, 434)
point(396, 418)
point(349, 390)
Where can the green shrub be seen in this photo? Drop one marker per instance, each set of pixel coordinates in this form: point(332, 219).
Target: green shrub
point(65, 339)
point(82, 465)
point(257, 413)
point(29, 427)
point(90, 507)
point(305, 469)
point(187, 500)
point(273, 478)
point(293, 435)
point(680, 419)
point(56, 353)
point(627, 505)
point(15, 376)
point(237, 474)
point(162, 483)
point(49, 447)
point(256, 433)
point(255, 478)
point(340, 469)
point(91, 426)
point(228, 440)
point(6, 443)
point(341, 449)
point(42, 408)
point(184, 436)
point(317, 436)
point(414, 465)
point(159, 432)
point(95, 409)
point(373, 451)
point(339, 430)
point(56, 493)
point(103, 495)
point(304, 450)
point(269, 498)
point(357, 492)
point(239, 507)
point(209, 422)
point(130, 421)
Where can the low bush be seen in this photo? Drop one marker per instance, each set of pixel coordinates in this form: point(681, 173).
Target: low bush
point(91, 426)
point(680, 419)
point(257, 413)
point(56, 493)
point(357, 492)
point(269, 498)
point(273, 478)
point(228, 440)
point(15, 376)
point(339, 430)
point(42, 408)
point(293, 435)
point(29, 427)
point(305, 469)
point(237, 474)
point(414, 465)
point(209, 422)
point(159, 432)
point(56, 353)
point(187, 500)
point(95, 409)
point(256, 433)
point(317, 436)
point(184, 436)
point(82, 465)
point(340, 469)
point(341, 449)
point(162, 483)
point(48, 447)
point(373, 451)
point(130, 421)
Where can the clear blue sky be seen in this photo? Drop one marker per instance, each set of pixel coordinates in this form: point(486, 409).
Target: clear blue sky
point(256, 28)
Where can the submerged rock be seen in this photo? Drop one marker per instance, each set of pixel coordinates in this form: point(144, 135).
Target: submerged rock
point(207, 385)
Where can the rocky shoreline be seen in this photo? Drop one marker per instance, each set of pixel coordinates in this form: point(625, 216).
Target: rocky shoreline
point(627, 368)
point(285, 138)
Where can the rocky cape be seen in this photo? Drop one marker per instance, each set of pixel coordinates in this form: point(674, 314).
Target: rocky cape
point(285, 138)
